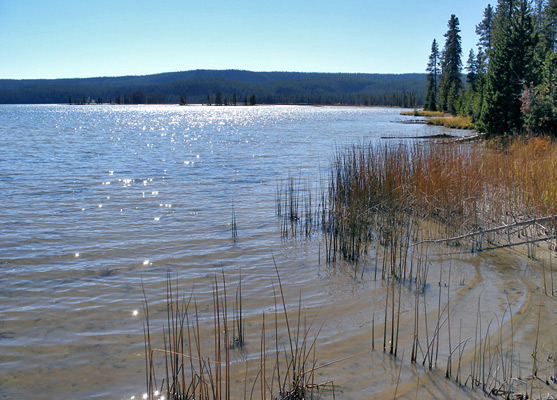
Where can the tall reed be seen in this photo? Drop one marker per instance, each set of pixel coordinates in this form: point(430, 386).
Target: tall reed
point(192, 369)
point(295, 209)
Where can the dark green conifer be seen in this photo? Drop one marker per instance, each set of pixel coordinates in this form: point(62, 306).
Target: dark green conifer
point(472, 68)
point(430, 103)
point(451, 67)
point(510, 66)
point(550, 24)
point(484, 30)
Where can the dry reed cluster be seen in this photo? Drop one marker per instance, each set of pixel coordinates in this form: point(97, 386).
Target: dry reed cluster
point(471, 192)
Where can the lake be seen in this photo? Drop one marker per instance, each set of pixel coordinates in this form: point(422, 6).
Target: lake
point(100, 203)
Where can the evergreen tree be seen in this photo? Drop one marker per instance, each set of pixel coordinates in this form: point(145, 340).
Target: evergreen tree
point(252, 101)
point(430, 103)
point(472, 68)
point(550, 15)
point(218, 99)
point(137, 98)
point(469, 97)
point(234, 100)
point(484, 30)
point(539, 103)
point(477, 67)
point(451, 67)
point(510, 66)
point(547, 27)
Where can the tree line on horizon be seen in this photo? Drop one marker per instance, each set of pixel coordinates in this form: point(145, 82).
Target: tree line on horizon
point(511, 76)
point(395, 99)
point(405, 90)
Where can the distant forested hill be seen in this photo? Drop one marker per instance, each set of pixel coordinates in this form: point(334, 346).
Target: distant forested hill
point(201, 86)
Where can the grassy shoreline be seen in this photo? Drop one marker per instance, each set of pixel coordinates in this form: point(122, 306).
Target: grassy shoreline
point(458, 122)
point(423, 113)
point(438, 118)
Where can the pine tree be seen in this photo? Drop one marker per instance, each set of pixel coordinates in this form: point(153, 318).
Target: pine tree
point(218, 99)
point(484, 30)
point(470, 96)
point(430, 103)
point(510, 66)
point(451, 67)
point(477, 66)
point(539, 102)
point(472, 68)
point(548, 27)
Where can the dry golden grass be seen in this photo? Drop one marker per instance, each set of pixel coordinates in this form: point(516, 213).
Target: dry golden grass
point(531, 166)
point(459, 122)
point(423, 113)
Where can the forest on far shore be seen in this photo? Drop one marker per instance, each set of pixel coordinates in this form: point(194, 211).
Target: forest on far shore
point(202, 86)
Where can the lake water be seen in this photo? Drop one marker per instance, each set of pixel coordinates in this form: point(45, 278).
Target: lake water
point(98, 201)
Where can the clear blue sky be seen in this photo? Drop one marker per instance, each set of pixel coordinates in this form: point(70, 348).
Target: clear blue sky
point(86, 38)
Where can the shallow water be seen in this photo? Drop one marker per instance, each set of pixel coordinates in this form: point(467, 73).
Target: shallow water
point(99, 202)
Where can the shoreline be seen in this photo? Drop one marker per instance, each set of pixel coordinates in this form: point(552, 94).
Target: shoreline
point(220, 105)
point(438, 118)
